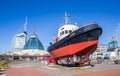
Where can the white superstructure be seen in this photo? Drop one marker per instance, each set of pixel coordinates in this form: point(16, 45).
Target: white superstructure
point(65, 29)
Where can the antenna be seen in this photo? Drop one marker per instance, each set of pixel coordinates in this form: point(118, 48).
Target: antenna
point(34, 30)
point(25, 26)
point(66, 18)
point(34, 35)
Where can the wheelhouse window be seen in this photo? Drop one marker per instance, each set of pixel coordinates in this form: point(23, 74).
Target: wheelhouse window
point(62, 32)
point(62, 28)
point(66, 31)
point(70, 31)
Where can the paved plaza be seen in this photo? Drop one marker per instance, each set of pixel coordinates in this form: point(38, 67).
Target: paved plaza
point(37, 68)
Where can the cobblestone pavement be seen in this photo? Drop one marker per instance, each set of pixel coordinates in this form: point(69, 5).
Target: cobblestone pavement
point(57, 70)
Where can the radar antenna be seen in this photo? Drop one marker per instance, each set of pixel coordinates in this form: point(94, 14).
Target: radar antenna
point(66, 18)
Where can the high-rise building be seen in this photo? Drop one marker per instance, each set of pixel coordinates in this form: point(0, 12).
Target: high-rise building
point(19, 40)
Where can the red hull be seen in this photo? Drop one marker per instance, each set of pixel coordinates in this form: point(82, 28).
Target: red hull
point(82, 48)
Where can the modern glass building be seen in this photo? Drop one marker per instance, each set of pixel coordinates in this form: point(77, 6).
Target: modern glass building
point(33, 43)
point(18, 42)
point(32, 47)
point(112, 44)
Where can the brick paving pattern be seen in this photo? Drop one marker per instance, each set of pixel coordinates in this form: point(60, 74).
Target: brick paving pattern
point(24, 71)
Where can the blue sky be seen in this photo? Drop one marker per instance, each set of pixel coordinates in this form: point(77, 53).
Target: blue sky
point(48, 15)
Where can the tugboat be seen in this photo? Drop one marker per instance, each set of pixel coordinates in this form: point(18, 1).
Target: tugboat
point(75, 43)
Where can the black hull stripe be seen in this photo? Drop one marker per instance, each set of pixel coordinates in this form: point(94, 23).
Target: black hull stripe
point(86, 33)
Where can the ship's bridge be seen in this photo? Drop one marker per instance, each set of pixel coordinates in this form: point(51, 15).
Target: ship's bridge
point(66, 30)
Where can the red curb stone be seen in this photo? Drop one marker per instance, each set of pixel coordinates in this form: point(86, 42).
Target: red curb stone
point(24, 71)
point(115, 72)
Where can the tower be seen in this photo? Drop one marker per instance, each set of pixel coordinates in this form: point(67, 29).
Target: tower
point(19, 40)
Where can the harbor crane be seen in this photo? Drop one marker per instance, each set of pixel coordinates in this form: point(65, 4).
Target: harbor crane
point(117, 33)
point(115, 43)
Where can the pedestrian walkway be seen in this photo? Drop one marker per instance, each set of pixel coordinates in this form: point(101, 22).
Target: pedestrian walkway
point(24, 71)
point(36, 68)
point(115, 72)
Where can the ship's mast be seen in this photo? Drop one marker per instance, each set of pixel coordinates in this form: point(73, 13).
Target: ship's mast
point(66, 18)
point(25, 26)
